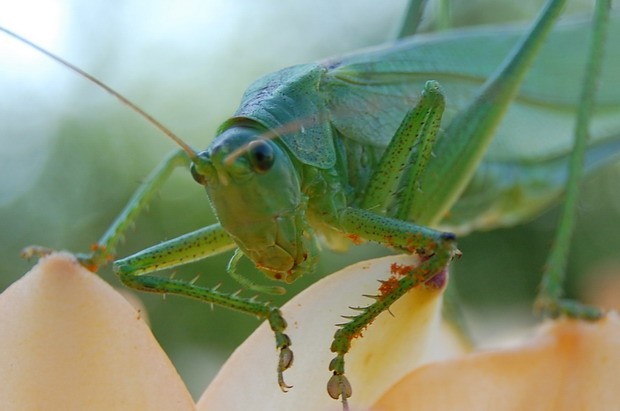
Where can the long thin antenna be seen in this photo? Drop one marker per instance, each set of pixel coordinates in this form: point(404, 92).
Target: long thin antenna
point(190, 151)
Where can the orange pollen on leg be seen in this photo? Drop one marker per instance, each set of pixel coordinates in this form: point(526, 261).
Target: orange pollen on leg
point(357, 240)
point(396, 271)
point(359, 334)
point(401, 269)
point(388, 286)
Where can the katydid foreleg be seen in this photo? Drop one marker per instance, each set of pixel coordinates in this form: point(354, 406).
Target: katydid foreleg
point(104, 250)
point(191, 247)
point(194, 246)
point(436, 250)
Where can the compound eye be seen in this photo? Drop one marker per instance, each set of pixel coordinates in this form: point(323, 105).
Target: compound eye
point(200, 168)
point(199, 178)
point(261, 155)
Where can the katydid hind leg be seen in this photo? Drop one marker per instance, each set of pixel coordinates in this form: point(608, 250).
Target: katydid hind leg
point(466, 139)
point(412, 18)
point(415, 11)
point(550, 301)
point(134, 271)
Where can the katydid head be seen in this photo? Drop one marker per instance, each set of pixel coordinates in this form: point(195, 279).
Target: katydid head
point(255, 191)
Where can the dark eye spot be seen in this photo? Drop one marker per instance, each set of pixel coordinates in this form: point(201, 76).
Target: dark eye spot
point(195, 167)
point(261, 155)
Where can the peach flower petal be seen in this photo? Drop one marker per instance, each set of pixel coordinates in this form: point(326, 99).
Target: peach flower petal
point(70, 342)
point(390, 347)
point(568, 365)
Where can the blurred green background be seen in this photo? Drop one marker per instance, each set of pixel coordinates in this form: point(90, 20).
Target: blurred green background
point(70, 155)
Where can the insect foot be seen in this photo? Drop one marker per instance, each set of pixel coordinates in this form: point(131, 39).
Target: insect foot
point(338, 385)
point(35, 251)
point(284, 363)
point(548, 307)
point(88, 261)
point(283, 343)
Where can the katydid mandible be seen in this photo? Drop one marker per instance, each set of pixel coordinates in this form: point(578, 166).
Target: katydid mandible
point(357, 152)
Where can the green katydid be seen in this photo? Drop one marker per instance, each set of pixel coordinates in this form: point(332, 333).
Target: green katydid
point(327, 149)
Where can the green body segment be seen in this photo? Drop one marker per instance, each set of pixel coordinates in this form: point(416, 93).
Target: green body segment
point(357, 103)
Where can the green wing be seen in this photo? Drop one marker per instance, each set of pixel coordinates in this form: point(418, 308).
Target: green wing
point(368, 94)
point(524, 170)
point(364, 96)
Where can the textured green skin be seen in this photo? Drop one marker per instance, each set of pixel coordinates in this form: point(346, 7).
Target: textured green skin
point(329, 124)
point(353, 160)
point(352, 107)
point(333, 121)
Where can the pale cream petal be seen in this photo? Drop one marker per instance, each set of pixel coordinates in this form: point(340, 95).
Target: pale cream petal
point(70, 342)
point(569, 365)
point(390, 347)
